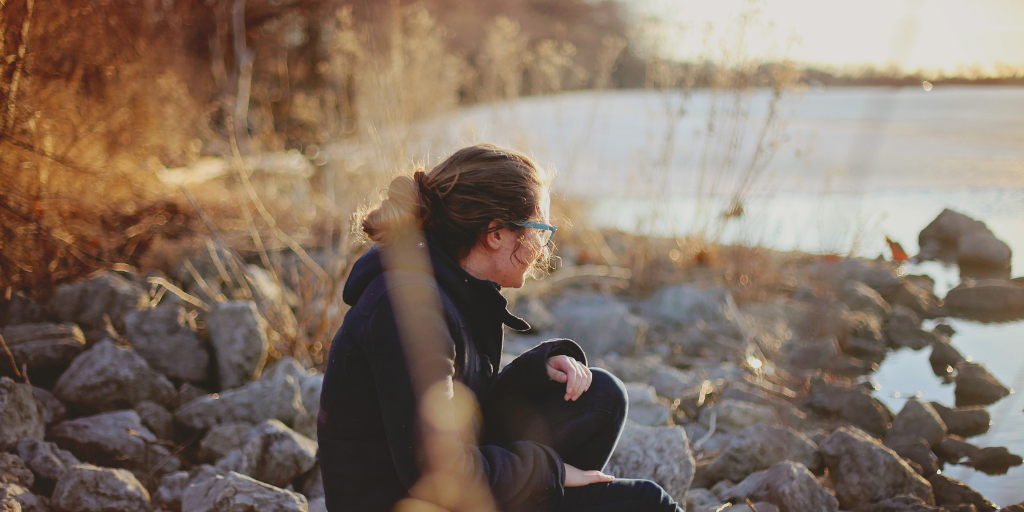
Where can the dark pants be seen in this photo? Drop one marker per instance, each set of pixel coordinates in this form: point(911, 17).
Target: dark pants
point(584, 433)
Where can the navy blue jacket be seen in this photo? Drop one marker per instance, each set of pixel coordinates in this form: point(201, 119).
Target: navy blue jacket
point(367, 426)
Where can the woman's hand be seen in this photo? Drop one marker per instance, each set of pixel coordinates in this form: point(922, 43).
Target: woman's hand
point(578, 478)
point(576, 376)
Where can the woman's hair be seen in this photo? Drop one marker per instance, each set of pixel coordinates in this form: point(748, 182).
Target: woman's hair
point(457, 200)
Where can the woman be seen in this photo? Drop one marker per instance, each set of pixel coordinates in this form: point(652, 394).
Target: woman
point(550, 423)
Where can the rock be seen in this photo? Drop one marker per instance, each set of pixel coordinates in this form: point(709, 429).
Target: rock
point(172, 487)
point(861, 297)
point(919, 300)
point(46, 460)
point(309, 387)
point(903, 330)
point(718, 341)
point(734, 415)
point(115, 439)
point(987, 300)
point(20, 414)
point(236, 492)
point(866, 472)
point(87, 488)
point(950, 492)
point(108, 295)
point(964, 421)
point(810, 354)
point(20, 309)
point(109, 377)
point(673, 383)
point(685, 305)
point(701, 500)
point(239, 339)
point(788, 485)
point(42, 347)
point(600, 324)
point(157, 418)
point(941, 238)
point(222, 440)
point(852, 405)
point(186, 393)
point(756, 448)
point(953, 448)
point(880, 276)
point(644, 406)
point(916, 451)
point(983, 250)
point(993, 460)
point(166, 341)
point(313, 486)
point(53, 409)
point(14, 471)
point(944, 356)
point(276, 454)
point(661, 454)
point(631, 369)
point(902, 504)
point(254, 403)
point(535, 312)
point(976, 386)
point(318, 505)
point(917, 420)
point(26, 500)
point(863, 337)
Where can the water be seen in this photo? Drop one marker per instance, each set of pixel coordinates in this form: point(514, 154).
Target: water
point(856, 165)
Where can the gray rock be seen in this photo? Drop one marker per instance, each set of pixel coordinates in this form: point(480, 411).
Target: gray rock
point(313, 486)
point(661, 454)
point(987, 300)
point(115, 439)
point(156, 418)
point(673, 383)
point(276, 454)
point(976, 386)
point(87, 303)
point(944, 356)
point(993, 460)
point(759, 447)
point(46, 460)
point(20, 309)
point(309, 387)
point(87, 488)
point(983, 250)
point(172, 488)
point(600, 324)
point(236, 492)
point(720, 341)
point(761, 506)
point(861, 297)
point(14, 471)
point(644, 406)
point(533, 310)
point(684, 305)
point(702, 500)
point(20, 414)
point(902, 504)
point(53, 409)
point(287, 365)
point(941, 238)
point(254, 403)
point(811, 353)
point(880, 276)
point(630, 369)
point(43, 347)
point(109, 377)
point(221, 440)
point(950, 492)
point(916, 420)
point(850, 404)
point(318, 505)
point(863, 337)
point(239, 339)
point(29, 502)
point(921, 301)
point(917, 452)
point(735, 415)
point(953, 448)
point(866, 472)
point(166, 341)
point(903, 330)
point(964, 421)
point(788, 485)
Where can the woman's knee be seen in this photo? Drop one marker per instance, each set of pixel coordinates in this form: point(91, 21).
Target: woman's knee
point(651, 493)
point(609, 393)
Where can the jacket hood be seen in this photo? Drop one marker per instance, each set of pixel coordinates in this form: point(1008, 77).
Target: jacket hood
point(363, 272)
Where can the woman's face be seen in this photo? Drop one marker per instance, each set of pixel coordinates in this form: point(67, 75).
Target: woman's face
point(506, 255)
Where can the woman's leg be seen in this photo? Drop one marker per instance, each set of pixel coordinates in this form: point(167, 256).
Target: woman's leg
point(621, 495)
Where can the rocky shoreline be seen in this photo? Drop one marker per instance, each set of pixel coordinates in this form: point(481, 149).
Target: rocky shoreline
point(121, 400)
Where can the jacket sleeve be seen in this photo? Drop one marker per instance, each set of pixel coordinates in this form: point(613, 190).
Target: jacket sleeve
point(528, 372)
point(520, 473)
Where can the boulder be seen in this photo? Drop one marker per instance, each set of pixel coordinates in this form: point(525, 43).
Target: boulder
point(535, 312)
point(42, 347)
point(917, 419)
point(238, 335)
point(115, 439)
point(26, 500)
point(276, 454)
point(701, 500)
point(313, 485)
point(950, 492)
point(309, 388)
point(850, 404)
point(944, 356)
point(904, 330)
point(941, 238)
point(880, 276)
point(172, 487)
point(756, 448)
point(20, 414)
point(46, 460)
point(87, 488)
point(987, 300)
point(964, 421)
point(221, 440)
point(685, 305)
point(734, 415)
point(661, 454)
point(14, 471)
point(921, 301)
point(671, 382)
point(20, 309)
point(863, 337)
point(916, 452)
point(902, 503)
point(318, 504)
point(983, 250)
point(256, 402)
point(865, 471)
point(644, 406)
point(811, 353)
point(109, 377)
point(166, 341)
point(236, 492)
point(953, 449)
point(788, 485)
point(599, 323)
point(157, 419)
point(53, 409)
point(976, 386)
point(90, 303)
point(860, 297)
point(993, 460)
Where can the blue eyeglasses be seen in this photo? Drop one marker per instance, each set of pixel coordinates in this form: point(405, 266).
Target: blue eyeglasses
point(547, 239)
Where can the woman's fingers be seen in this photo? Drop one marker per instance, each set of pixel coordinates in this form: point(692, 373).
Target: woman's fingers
point(577, 478)
point(594, 477)
point(576, 376)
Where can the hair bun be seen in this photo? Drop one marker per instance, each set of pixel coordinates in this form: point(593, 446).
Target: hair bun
point(401, 209)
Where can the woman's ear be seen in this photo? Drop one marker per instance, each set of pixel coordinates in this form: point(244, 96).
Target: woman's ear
point(493, 237)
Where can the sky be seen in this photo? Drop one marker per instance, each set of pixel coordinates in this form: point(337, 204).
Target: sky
point(933, 35)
